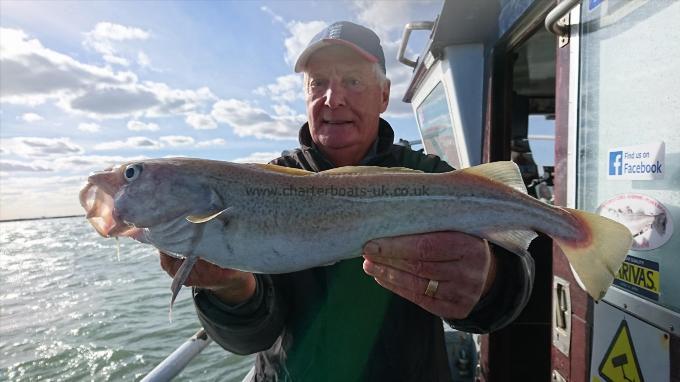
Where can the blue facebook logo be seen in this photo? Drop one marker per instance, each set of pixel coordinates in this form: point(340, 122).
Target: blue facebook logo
point(592, 4)
point(615, 162)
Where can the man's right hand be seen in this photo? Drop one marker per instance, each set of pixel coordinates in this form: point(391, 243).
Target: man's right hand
point(229, 285)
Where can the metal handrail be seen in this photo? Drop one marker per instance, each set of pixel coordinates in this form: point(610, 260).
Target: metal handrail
point(552, 19)
point(179, 359)
point(416, 25)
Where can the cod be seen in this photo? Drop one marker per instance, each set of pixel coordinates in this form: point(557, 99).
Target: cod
point(271, 219)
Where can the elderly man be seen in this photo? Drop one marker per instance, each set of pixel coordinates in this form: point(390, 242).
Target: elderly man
point(338, 322)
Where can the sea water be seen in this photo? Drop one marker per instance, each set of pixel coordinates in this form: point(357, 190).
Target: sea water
point(71, 311)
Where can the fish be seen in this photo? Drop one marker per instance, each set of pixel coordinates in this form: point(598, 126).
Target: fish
point(264, 218)
point(639, 222)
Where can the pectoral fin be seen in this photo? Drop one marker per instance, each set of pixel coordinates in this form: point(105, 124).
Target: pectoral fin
point(204, 218)
point(516, 241)
point(180, 278)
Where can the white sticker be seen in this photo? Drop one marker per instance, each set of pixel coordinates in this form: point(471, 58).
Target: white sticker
point(641, 162)
point(647, 219)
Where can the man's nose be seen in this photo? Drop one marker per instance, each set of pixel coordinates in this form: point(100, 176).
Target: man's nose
point(335, 95)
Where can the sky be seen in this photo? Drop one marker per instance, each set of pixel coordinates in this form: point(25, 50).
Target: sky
point(87, 85)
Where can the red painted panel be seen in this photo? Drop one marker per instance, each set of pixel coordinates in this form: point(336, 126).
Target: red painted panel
point(576, 366)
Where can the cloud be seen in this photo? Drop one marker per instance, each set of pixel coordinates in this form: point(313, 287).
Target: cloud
point(30, 117)
point(109, 101)
point(82, 164)
point(40, 147)
point(116, 32)
point(177, 101)
point(271, 13)
point(49, 195)
point(143, 60)
point(201, 121)
point(89, 127)
point(141, 126)
point(32, 74)
point(148, 99)
point(211, 142)
point(101, 39)
point(129, 143)
point(16, 166)
point(176, 140)
point(259, 157)
point(73, 164)
point(247, 120)
point(300, 33)
point(386, 16)
point(283, 110)
point(286, 89)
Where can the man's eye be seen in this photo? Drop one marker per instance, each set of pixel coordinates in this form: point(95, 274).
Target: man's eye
point(316, 83)
point(353, 82)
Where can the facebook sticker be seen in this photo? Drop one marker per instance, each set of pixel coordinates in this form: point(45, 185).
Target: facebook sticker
point(639, 162)
point(615, 162)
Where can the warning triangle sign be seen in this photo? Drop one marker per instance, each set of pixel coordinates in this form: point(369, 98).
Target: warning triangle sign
point(620, 363)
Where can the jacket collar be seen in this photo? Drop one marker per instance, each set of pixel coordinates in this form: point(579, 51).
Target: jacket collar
point(381, 146)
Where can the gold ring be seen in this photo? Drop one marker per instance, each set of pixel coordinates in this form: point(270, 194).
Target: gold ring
point(431, 288)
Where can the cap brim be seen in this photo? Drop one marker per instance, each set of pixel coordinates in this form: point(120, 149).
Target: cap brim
point(302, 59)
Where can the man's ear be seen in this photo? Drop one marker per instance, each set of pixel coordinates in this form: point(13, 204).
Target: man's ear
point(385, 96)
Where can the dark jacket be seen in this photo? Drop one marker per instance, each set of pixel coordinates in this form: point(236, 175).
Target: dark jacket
point(335, 323)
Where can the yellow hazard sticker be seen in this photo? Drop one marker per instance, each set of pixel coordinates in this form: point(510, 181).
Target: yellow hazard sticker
point(620, 362)
point(639, 276)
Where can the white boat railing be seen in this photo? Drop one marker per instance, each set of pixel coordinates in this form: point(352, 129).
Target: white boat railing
point(179, 359)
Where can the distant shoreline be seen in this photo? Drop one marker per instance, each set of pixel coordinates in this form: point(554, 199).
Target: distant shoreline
point(41, 218)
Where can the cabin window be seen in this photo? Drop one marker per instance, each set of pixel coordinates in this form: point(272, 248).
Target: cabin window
point(436, 127)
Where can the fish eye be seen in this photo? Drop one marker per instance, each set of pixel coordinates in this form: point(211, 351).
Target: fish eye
point(132, 172)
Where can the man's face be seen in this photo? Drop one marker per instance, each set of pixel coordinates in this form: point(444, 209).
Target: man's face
point(344, 100)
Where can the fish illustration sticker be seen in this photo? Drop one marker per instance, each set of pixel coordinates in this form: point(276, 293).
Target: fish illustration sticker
point(647, 219)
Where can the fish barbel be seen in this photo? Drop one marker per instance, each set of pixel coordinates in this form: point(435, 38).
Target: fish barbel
point(272, 219)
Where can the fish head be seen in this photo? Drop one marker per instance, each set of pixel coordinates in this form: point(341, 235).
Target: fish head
point(120, 201)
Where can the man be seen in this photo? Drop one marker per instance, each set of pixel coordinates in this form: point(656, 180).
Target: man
point(337, 322)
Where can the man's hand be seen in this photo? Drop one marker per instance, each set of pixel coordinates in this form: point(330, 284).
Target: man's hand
point(462, 264)
point(229, 285)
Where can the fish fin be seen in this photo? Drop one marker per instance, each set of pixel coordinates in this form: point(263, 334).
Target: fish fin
point(283, 170)
point(348, 170)
point(516, 241)
point(180, 277)
point(505, 172)
point(595, 264)
point(204, 218)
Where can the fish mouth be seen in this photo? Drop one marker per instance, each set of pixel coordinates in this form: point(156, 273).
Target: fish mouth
point(100, 212)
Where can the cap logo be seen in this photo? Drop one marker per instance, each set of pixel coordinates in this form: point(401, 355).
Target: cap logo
point(334, 31)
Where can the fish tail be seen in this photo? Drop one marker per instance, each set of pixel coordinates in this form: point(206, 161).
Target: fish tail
point(180, 277)
point(596, 259)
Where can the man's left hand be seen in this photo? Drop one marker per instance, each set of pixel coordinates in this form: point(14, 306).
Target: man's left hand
point(462, 265)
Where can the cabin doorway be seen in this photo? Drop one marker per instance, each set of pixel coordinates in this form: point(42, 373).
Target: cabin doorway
point(520, 126)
